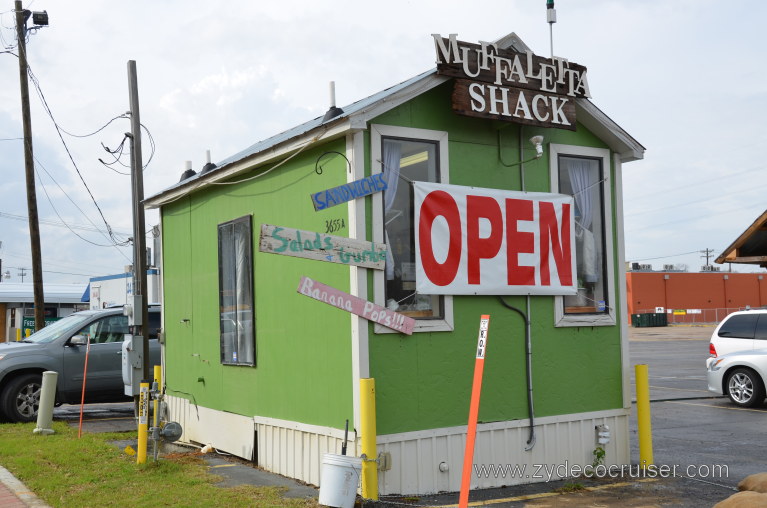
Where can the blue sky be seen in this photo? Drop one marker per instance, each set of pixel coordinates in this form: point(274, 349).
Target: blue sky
point(685, 78)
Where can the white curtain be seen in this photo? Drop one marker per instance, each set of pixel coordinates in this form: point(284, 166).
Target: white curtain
point(244, 304)
point(583, 179)
point(392, 153)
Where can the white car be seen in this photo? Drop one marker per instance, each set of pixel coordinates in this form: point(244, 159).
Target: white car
point(740, 331)
point(741, 376)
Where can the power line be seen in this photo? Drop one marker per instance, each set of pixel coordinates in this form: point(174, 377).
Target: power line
point(45, 191)
point(749, 186)
point(739, 208)
point(51, 271)
point(48, 222)
point(664, 257)
point(124, 115)
point(110, 236)
point(66, 148)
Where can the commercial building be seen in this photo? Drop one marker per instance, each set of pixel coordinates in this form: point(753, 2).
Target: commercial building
point(370, 242)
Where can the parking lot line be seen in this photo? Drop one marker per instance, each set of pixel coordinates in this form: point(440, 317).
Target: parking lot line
point(678, 389)
point(715, 406)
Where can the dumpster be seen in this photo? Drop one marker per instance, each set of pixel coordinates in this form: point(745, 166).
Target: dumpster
point(649, 319)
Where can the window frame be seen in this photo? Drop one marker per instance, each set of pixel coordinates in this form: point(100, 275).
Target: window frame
point(247, 219)
point(608, 318)
point(377, 134)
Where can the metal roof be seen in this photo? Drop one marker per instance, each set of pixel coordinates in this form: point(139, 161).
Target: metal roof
point(23, 292)
point(356, 115)
point(304, 128)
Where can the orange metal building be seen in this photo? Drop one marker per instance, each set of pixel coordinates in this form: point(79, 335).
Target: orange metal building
point(685, 297)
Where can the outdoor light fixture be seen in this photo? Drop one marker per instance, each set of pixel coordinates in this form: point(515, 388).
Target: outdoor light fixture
point(537, 141)
point(40, 18)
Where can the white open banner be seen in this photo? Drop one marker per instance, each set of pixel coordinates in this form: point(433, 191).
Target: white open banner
point(474, 241)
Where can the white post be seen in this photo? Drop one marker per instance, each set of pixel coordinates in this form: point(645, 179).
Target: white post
point(47, 398)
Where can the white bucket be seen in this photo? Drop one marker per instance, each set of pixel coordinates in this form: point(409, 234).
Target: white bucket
point(339, 479)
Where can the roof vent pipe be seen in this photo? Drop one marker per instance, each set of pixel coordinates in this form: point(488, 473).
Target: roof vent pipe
point(189, 173)
point(333, 111)
point(209, 166)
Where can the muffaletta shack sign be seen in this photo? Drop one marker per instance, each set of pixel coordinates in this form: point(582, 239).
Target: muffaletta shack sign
point(504, 84)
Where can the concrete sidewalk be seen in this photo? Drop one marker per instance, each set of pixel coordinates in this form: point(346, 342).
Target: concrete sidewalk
point(14, 494)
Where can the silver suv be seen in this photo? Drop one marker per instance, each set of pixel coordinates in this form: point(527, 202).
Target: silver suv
point(740, 331)
point(61, 347)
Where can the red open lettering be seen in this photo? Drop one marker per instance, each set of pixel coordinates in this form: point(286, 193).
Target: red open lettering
point(518, 242)
point(482, 207)
point(550, 236)
point(440, 203)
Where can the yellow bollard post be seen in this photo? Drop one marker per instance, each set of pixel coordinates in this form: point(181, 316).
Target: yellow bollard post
point(158, 380)
point(368, 438)
point(18, 334)
point(155, 407)
point(644, 424)
point(28, 332)
point(143, 422)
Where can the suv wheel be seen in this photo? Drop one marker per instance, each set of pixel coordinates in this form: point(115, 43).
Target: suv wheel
point(745, 388)
point(20, 399)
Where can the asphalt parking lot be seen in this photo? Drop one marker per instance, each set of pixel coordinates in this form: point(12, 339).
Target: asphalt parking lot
point(691, 426)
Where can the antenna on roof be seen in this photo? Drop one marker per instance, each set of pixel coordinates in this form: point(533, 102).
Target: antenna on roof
point(551, 18)
point(333, 111)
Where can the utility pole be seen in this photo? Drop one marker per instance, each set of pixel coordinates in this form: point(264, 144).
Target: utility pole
point(140, 313)
point(707, 253)
point(29, 169)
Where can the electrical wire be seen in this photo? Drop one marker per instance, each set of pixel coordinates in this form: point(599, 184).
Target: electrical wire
point(45, 191)
point(662, 257)
point(48, 222)
point(36, 83)
point(38, 163)
point(124, 115)
point(283, 161)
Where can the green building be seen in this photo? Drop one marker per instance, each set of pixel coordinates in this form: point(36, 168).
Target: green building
point(259, 370)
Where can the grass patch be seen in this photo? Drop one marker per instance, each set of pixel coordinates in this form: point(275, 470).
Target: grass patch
point(66, 471)
point(569, 488)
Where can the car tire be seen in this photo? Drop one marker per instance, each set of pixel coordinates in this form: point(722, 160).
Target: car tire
point(745, 388)
point(20, 398)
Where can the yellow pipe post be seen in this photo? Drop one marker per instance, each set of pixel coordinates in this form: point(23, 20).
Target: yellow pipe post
point(28, 332)
point(18, 334)
point(368, 438)
point(644, 424)
point(143, 422)
point(158, 380)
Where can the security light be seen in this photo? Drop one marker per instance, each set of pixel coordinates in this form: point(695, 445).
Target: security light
point(537, 141)
point(40, 18)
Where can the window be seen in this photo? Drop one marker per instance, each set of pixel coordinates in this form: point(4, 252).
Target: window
point(405, 155)
point(235, 282)
point(739, 326)
point(109, 329)
point(761, 328)
point(582, 172)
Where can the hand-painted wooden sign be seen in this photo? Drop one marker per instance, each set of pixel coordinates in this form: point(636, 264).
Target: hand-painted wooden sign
point(358, 306)
point(321, 247)
point(505, 84)
point(347, 192)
